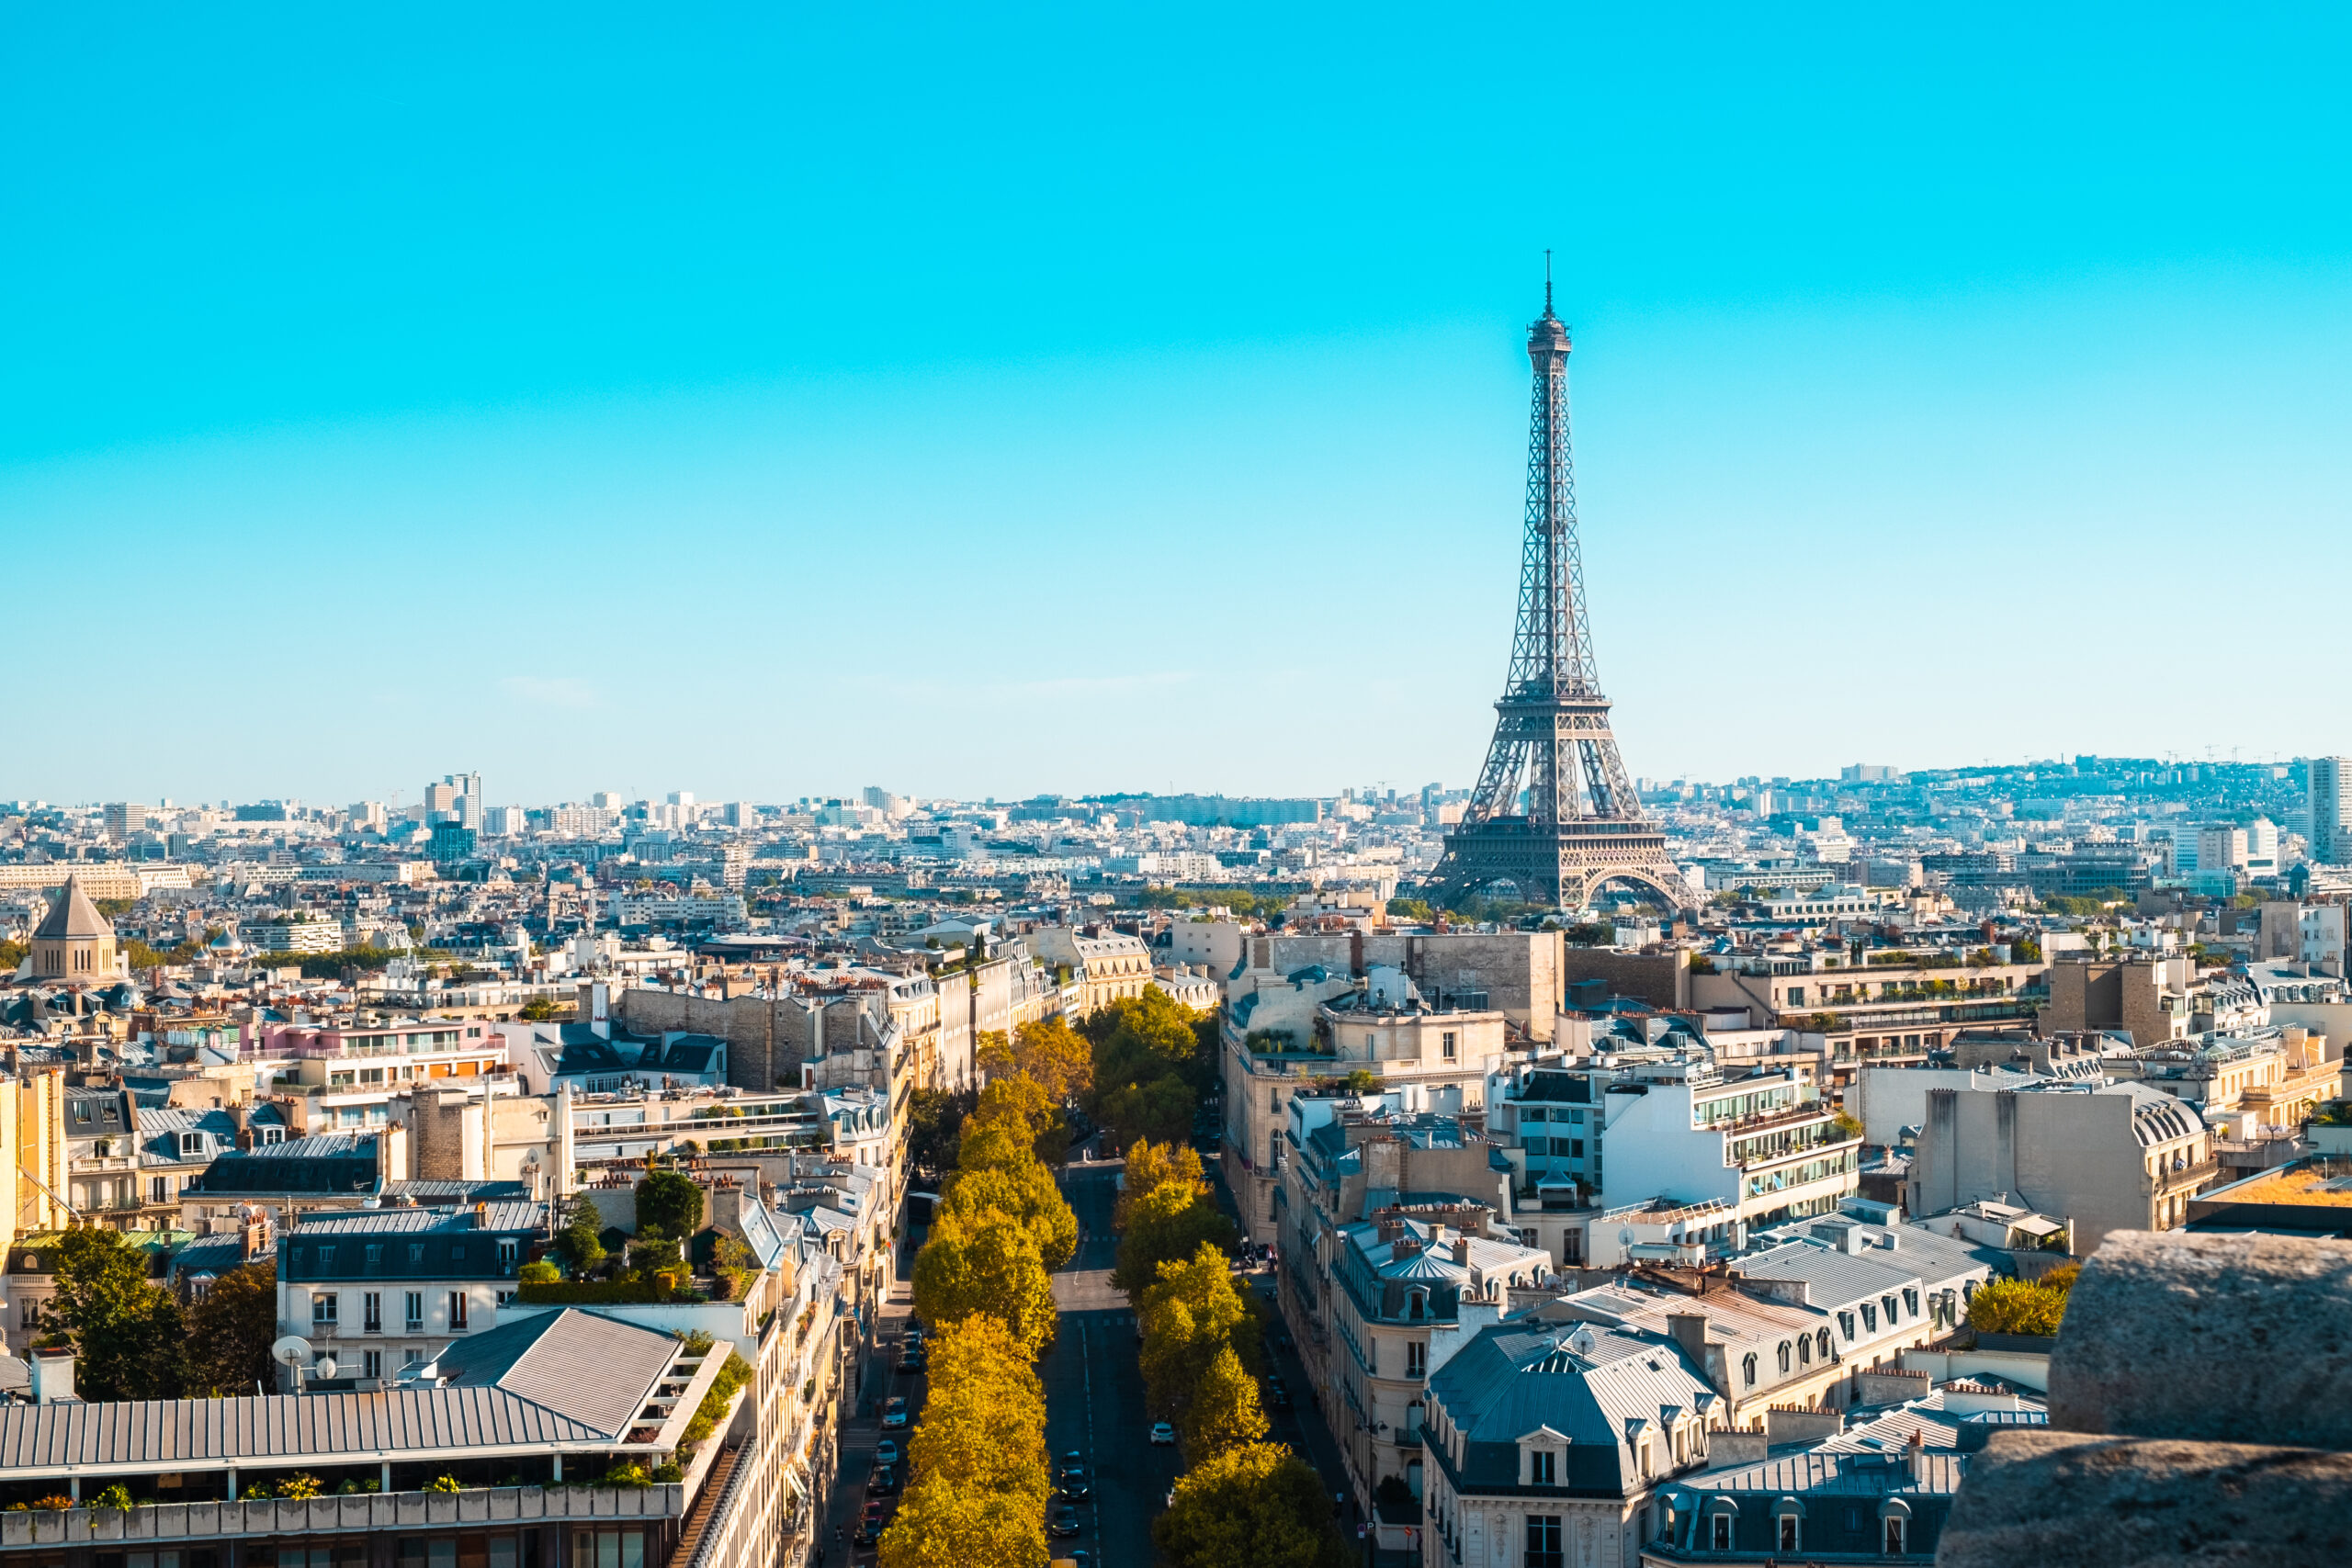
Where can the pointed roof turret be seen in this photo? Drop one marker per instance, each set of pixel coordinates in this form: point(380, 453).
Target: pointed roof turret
point(73, 917)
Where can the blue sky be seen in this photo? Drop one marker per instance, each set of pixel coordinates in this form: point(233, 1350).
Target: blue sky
point(780, 401)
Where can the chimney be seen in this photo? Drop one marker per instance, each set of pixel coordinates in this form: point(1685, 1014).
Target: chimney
point(53, 1378)
point(1690, 1331)
point(1916, 1451)
point(1462, 1250)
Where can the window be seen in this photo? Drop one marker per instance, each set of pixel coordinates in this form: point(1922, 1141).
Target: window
point(1910, 1302)
point(1869, 1318)
point(456, 1252)
point(615, 1549)
point(1416, 1358)
point(371, 1311)
point(456, 1309)
point(1540, 1468)
point(1797, 996)
point(191, 1145)
point(509, 1249)
point(416, 1253)
point(1894, 1538)
point(323, 1307)
point(371, 1363)
point(1721, 1535)
point(1822, 1340)
point(1788, 1532)
point(375, 1253)
point(412, 1314)
point(1417, 1306)
point(1845, 1326)
point(1784, 1357)
point(1445, 1044)
point(1535, 1145)
point(327, 1258)
point(159, 1190)
point(81, 1112)
point(1544, 1541)
point(1887, 1302)
point(1805, 1350)
point(1747, 1370)
point(270, 1135)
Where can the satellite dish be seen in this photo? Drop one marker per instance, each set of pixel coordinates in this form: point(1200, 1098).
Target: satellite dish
point(293, 1350)
point(325, 1369)
point(1625, 1237)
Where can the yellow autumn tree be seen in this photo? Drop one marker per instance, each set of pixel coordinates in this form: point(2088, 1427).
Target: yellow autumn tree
point(1258, 1505)
point(1151, 1166)
point(1028, 1192)
point(985, 1261)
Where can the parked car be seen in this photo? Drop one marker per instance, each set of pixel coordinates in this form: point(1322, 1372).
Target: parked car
point(1065, 1520)
point(869, 1525)
point(884, 1481)
point(1163, 1436)
point(894, 1414)
point(1071, 1481)
point(887, 1452)
point(914, 1361)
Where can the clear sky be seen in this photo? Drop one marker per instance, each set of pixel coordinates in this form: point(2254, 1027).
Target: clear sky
point(990, 400)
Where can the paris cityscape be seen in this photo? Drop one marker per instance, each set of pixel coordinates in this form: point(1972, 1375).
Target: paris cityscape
point(762, 817)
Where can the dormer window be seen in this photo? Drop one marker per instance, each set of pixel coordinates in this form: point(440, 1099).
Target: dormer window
point(1417, 1305)
point(1869, 1318)
point(1747, 1370)
point(1542, 1468)
point(1888, 1304)
point(1822, 1340)
point(191, 1145)
point(1784, 1357)
point(1845, 1326)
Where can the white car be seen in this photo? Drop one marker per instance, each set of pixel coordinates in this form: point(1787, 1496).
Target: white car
point(1163, 1435)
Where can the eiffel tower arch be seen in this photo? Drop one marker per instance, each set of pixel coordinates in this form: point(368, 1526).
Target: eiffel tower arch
point(1555, 811)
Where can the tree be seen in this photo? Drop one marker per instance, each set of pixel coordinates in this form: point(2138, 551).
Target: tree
point(1145, 1035)
point(984, 1423)
point(126, 1330)
point(1188, 1315)
point(230, 1333)
point(2019, 1306)
point(1224, 1412)
point(1254, 1506)
point(581, 1242)
point(1149, 1166)
point(950, 1527)
point(1168, 1224)
point(669, 1204)
point(1160, 1109)
point(1029, 1194)
point(934, 1121)
point(986, 1262)
point(1059, 1059)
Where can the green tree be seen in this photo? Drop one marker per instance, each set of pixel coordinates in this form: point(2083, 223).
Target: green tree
point(986, 1262)
point(1147, 1034)
point(668, 1203)
point(934, 1121)
point(1188, 1317)
point(1168, 1225)
point(1258, 1505)
point(1160, 1109)
point(1030, 1195)
point(231, 1330)
point(1222, 1412)
point(126, 1330)
point(581, 1242)
point(1149, 1166)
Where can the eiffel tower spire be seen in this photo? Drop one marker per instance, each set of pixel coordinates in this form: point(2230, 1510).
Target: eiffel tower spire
point(1555, 811)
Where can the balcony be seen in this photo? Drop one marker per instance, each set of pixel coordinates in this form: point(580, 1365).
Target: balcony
point(366, 1512)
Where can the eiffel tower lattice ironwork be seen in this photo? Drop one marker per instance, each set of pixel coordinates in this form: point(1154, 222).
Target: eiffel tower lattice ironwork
point(1554, 812)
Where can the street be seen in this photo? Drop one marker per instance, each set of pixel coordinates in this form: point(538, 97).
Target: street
point(1094, 1392)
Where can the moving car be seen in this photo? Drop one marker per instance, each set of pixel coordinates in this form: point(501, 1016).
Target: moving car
point(1065, 1520)
point(1163, 1436)
point(883, 1482)
point(1071, 1478)
point(870, 1526)
point(894, 1414)
point(887, 1452)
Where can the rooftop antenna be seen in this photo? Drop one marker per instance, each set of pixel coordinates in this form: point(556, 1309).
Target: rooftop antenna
point(1547, 281)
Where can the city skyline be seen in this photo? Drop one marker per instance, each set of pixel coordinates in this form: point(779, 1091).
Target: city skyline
point(429, 403)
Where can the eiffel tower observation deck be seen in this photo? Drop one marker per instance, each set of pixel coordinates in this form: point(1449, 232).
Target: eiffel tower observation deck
point(1555, 814)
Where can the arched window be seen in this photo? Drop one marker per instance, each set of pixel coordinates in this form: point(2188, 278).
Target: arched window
point(1747, 1368)
point(1822, 1340)
point(1785, 1357)
point(1805, 1350)
point(1894, 1538)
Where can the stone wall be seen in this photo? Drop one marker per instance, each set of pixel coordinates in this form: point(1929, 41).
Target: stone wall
point(2200, 1404)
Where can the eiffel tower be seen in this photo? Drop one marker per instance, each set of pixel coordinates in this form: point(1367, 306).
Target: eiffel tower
point(1554, 812)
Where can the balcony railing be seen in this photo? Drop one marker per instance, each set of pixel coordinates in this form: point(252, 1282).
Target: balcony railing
point(365, 1512)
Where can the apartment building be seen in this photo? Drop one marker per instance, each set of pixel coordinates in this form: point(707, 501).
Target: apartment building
point(1105, 966)
point(385, 1289)
point(1766, 1145)
point(2104, 1155)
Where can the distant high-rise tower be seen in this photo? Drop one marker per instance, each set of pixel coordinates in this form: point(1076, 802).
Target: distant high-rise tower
point(2330, 805)
point(1554, 812)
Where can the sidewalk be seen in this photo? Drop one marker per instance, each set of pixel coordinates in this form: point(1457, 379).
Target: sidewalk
point(862, 1429)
